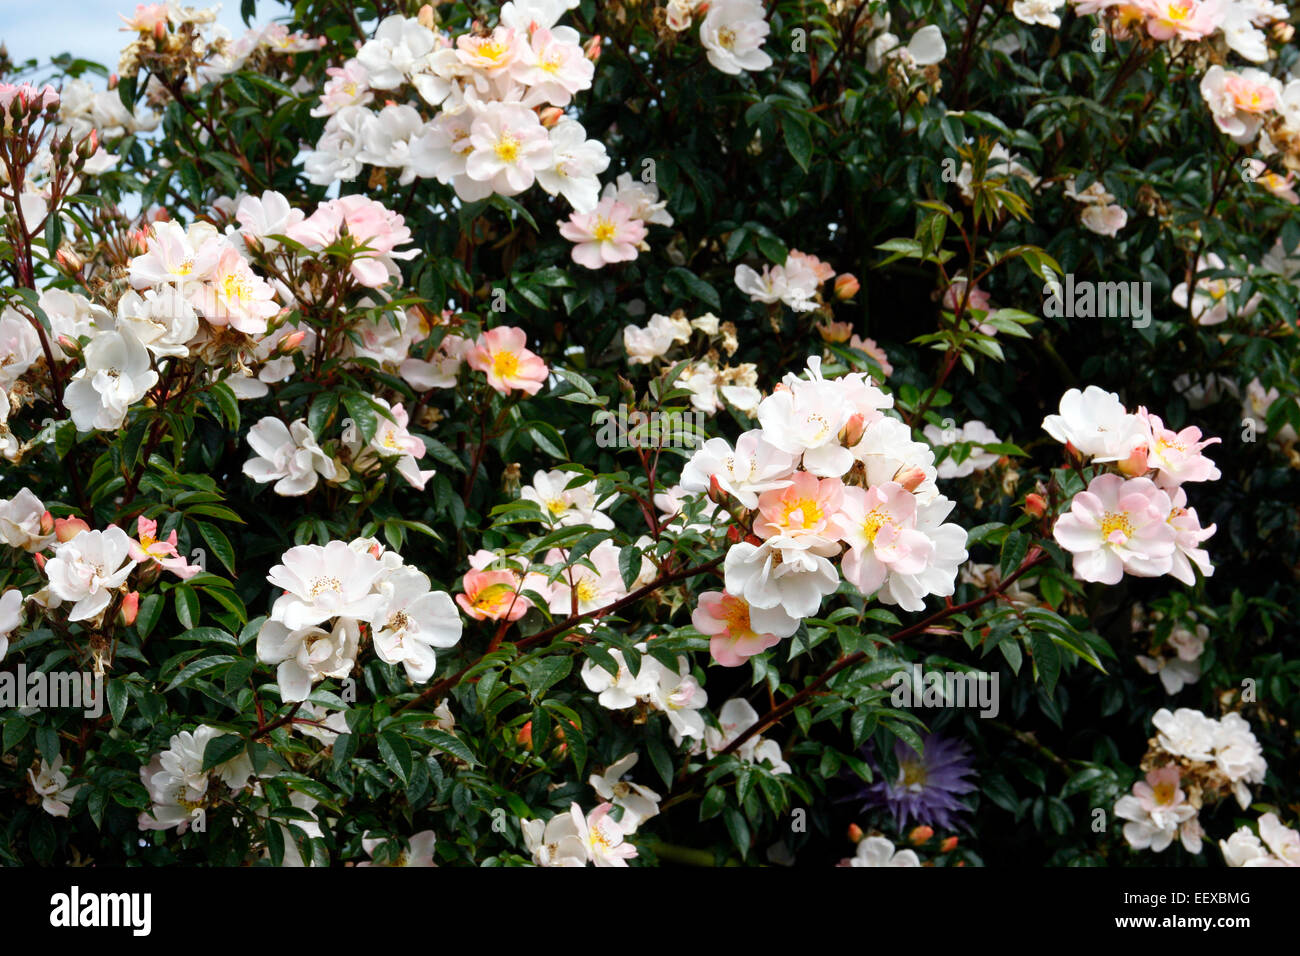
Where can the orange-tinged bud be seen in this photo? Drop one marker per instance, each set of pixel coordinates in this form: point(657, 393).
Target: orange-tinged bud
point(425, 16)
point(949, 844)
point(734, 534)
point(65, 529)
point(550, 116)
point(130, 607)
point(1035, 505)
point(525, 735)
point(920, 834)
point(592, 48)
point(160, 29)
point(290, 342)
point(1135, 465)
point(40, 561)
point(113, 80)
point(910, 477)
point(853, 430)
point(47, 523)
point(716, 493)
point(855, 833)
point(846, 286)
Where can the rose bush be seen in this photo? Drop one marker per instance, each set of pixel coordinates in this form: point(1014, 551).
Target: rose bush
point(615, 433)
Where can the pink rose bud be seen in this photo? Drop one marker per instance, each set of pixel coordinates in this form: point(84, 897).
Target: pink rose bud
point(716, 494)
point(65, 529)
point(920, 834)
point(525, 735)
point(949, 845)
point(550, 116)
point(592, 48)
point(1035, 505)
point(853, 431)
point(846, 286)
point(47, 523)
point(160, 29)
point(910, 477)
point(113, 80)
point(855, 833)
point(130, 607)
point(1135, 465)
point(40, 561)
point(291, 341)
point(425, 16)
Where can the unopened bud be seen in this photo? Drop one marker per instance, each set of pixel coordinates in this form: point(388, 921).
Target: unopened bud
point(855, 833)
point(734, 534)
point(920, 834)
point(948, 845)
point(40, 561)
point(292, 341)
point(1035, 505)
point(65, 529)
point(550, 116)
point(716, 493)
point(130, 607)
point(426, 17)
point(910, 477)
point(846, 286)
point(853, 430)
point(113, 80)
point(47, 523)
point(160, 30)
point(592, 48)
point(1135, 465)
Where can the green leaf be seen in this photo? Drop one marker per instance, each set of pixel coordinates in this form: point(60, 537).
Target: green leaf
point(219, 544)
point(223, 748)
point(396, 753)
point(798, 140)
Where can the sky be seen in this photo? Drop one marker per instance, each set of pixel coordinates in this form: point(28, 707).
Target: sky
point(89, 28)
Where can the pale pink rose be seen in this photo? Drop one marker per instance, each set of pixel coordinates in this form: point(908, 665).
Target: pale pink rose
point(502, 354)
point(493, 596)
point(608, 234)
point(737, 631)
point(1118, 526)
point(1185, 19)
point(803, 513)
point(146, 546)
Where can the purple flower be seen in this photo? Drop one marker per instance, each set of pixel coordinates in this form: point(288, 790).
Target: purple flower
point(927, 786)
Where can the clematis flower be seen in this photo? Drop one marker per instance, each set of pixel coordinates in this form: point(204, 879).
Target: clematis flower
point(928, 786)
point(736, 631)
point(1118, 526)
point(606, 235)
point(88, 568)
point(503, 355)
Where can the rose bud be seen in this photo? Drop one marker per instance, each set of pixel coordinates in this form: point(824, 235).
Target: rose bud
point(853, 430)
point(525, 735)
point(40, 561)
point(716, 493)
point(855, 833)
point(846, 286)
point(425, 16)
point(592, 48)
point(920, 834)
point(1135, 465)
point(734, 534)
point(65, 529)
point(550, 116)
point(130, 607)
point(290, 342)
point(948, 845)
point(1035, 505)
point(910, 477)
point(47, 523)
point(113, 80)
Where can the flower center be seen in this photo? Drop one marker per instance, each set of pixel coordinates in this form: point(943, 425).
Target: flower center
point(604, 231)
point(505, 364)
point(322, 584)
point(1116, 523)
point(507, 148)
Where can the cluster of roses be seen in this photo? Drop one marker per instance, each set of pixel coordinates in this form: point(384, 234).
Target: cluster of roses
point(84, 568)
point(732, 31)
point(827, 475)
point(1193, 759)
point(329, 592)
point(1125, 521)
